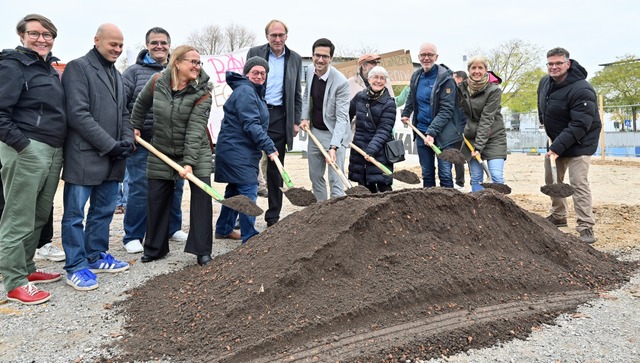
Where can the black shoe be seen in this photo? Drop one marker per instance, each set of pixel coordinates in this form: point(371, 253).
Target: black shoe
point(271, 223)
point(147, 258)
point(203, 260)
point(558, 222)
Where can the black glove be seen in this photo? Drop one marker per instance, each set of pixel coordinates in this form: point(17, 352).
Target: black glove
point(121, 150)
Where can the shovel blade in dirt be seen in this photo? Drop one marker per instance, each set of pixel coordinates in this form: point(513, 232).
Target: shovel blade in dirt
point(556, 189)
point(297, 196)
point(451, 155)
point(405, 176)
point(502, 188)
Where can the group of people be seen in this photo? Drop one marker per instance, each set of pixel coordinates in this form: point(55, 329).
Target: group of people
point(98, 119)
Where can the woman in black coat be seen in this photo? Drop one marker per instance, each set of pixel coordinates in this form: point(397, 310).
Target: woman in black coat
point(375, 112)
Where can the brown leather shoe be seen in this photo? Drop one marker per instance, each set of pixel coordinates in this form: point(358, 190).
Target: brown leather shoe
point(235, 235)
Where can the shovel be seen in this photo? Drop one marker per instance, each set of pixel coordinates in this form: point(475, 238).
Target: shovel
point(343, 177)
point(239, 202)
point(409, 178)
point(297, 196)
point(502, 188)
point(451, 155)
point(556, 190)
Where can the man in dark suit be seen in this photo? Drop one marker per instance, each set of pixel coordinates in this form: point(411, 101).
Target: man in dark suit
point(325, 111)
point(284, 100)
point(99, 139)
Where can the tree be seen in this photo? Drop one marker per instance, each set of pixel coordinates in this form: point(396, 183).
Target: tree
point(518, 64)
point(213, 39)
point(619, 84)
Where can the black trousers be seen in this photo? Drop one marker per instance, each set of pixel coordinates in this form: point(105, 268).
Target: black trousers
point(278, 134)
point(160, 197)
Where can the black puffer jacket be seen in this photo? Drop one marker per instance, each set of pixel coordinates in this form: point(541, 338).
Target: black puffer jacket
point(374, 128)
point(134, 79)
point(31, 100)
point(568, 111)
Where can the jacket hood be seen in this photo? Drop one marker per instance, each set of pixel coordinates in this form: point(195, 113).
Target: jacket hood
point(140, 60)
point(235, 80)
point(26, 55)
point(576, 72)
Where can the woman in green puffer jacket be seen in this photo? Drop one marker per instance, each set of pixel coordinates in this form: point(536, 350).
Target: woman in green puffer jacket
point(181, 105)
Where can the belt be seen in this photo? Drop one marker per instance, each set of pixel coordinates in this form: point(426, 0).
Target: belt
point(271, 107)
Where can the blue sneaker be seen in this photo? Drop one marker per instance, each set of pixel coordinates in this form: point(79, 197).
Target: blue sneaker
point(82, 280)
point(106, 263)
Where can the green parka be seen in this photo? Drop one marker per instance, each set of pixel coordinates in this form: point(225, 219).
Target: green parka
point(179, 125)
point(485, 127)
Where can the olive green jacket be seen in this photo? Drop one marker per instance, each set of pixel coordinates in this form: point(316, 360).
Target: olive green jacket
point(179, 125)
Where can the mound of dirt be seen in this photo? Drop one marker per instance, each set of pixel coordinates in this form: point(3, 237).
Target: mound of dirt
point(380, 277)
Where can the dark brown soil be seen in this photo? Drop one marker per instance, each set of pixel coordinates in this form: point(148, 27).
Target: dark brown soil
point(560, 190)
point(382, 277)
point(357, 190)
point(501, 188)
point(243, 205)
point(406, 176)
point(453, 156)
point(300, 196)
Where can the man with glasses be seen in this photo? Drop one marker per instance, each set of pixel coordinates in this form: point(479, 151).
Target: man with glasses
point(284, 101)
point(358, 82)
point(99, 139)
point(150, 61)
point(568, 110)
point(432, 101)
point(325, 111)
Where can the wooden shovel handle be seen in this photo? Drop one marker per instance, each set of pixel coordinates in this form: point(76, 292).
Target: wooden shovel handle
point(482, 163)
point(285, 176)
point(430, 144)
point(194, 179)
point(373, 161)
point(326, 155)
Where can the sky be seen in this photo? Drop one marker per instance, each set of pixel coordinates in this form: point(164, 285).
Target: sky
point(594, 32)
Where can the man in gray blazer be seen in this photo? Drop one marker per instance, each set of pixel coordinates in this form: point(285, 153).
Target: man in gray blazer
point(284, 100)
point(99, 139)
point(325, 111)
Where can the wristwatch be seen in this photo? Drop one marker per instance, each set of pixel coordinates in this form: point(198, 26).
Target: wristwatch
point(333, 147)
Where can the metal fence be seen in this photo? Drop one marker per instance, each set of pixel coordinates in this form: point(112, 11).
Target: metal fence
point(615, 143)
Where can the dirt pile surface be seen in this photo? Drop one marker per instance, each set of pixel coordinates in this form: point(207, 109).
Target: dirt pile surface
point(374, 277)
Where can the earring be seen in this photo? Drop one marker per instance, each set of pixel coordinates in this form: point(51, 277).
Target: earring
point(178, 68)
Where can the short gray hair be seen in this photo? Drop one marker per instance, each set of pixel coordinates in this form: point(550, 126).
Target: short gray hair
point(378, 70)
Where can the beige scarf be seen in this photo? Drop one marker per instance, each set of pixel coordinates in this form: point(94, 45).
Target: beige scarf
point(476, 86)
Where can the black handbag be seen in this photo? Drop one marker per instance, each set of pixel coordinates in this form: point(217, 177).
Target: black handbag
point(394, 151)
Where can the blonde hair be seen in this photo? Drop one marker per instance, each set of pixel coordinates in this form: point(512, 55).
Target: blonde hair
point(178, 55)
point(478, 59)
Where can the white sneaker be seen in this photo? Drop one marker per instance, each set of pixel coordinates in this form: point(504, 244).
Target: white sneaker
point(50, 252)
point(458, 187)
point(134, 246)
point(179, 236)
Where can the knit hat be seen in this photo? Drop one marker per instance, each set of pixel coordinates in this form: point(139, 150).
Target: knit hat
point(367, 58)
point(255, 61)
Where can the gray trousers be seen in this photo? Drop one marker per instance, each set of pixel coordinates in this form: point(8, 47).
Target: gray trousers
point(578, 167)
point(318, 166)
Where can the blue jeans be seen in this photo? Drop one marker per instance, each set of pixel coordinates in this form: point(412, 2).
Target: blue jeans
point(227, 219)
point(135, 216)
point(427, 158)
point(123, 191)
point(83, 243)
point(496, 169)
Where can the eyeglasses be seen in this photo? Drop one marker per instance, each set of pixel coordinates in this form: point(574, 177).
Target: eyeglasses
point(378, 78)
point(156, 42)
point(374, 62)
point(258, 73)
point(194, 62)
point(323, 56)
point(555, 64)
point(425, 55)
point(277, 35)
point(35, 35)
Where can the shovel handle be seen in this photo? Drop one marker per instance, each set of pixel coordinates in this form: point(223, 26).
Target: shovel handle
point(373, 161)
point(482, 163)
point(430, 144)
point(326, 155)
point(552, 161)
point(194, 179)
point(285, 176)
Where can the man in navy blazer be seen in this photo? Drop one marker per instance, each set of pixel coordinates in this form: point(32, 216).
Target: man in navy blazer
point(99, 139)
point(325, 111)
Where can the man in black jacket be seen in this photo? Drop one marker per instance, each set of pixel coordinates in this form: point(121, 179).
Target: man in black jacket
point(567, 108)
point(284, 100)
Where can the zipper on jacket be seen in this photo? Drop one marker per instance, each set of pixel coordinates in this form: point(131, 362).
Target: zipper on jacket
point(40, 115)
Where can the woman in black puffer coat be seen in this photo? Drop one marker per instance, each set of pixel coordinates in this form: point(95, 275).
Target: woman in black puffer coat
point(375, 112)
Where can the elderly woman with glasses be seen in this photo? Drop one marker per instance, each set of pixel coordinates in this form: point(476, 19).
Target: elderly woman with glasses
point(480, 99)
point(242, 138)
point(33, 127)
point(181, 103)
point(375, 114)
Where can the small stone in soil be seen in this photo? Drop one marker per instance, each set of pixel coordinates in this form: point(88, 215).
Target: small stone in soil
point(243, 205)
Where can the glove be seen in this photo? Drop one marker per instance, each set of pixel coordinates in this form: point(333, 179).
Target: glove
point(121, 150)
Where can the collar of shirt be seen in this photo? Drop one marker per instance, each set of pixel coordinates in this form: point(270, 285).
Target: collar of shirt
point(325, 76)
